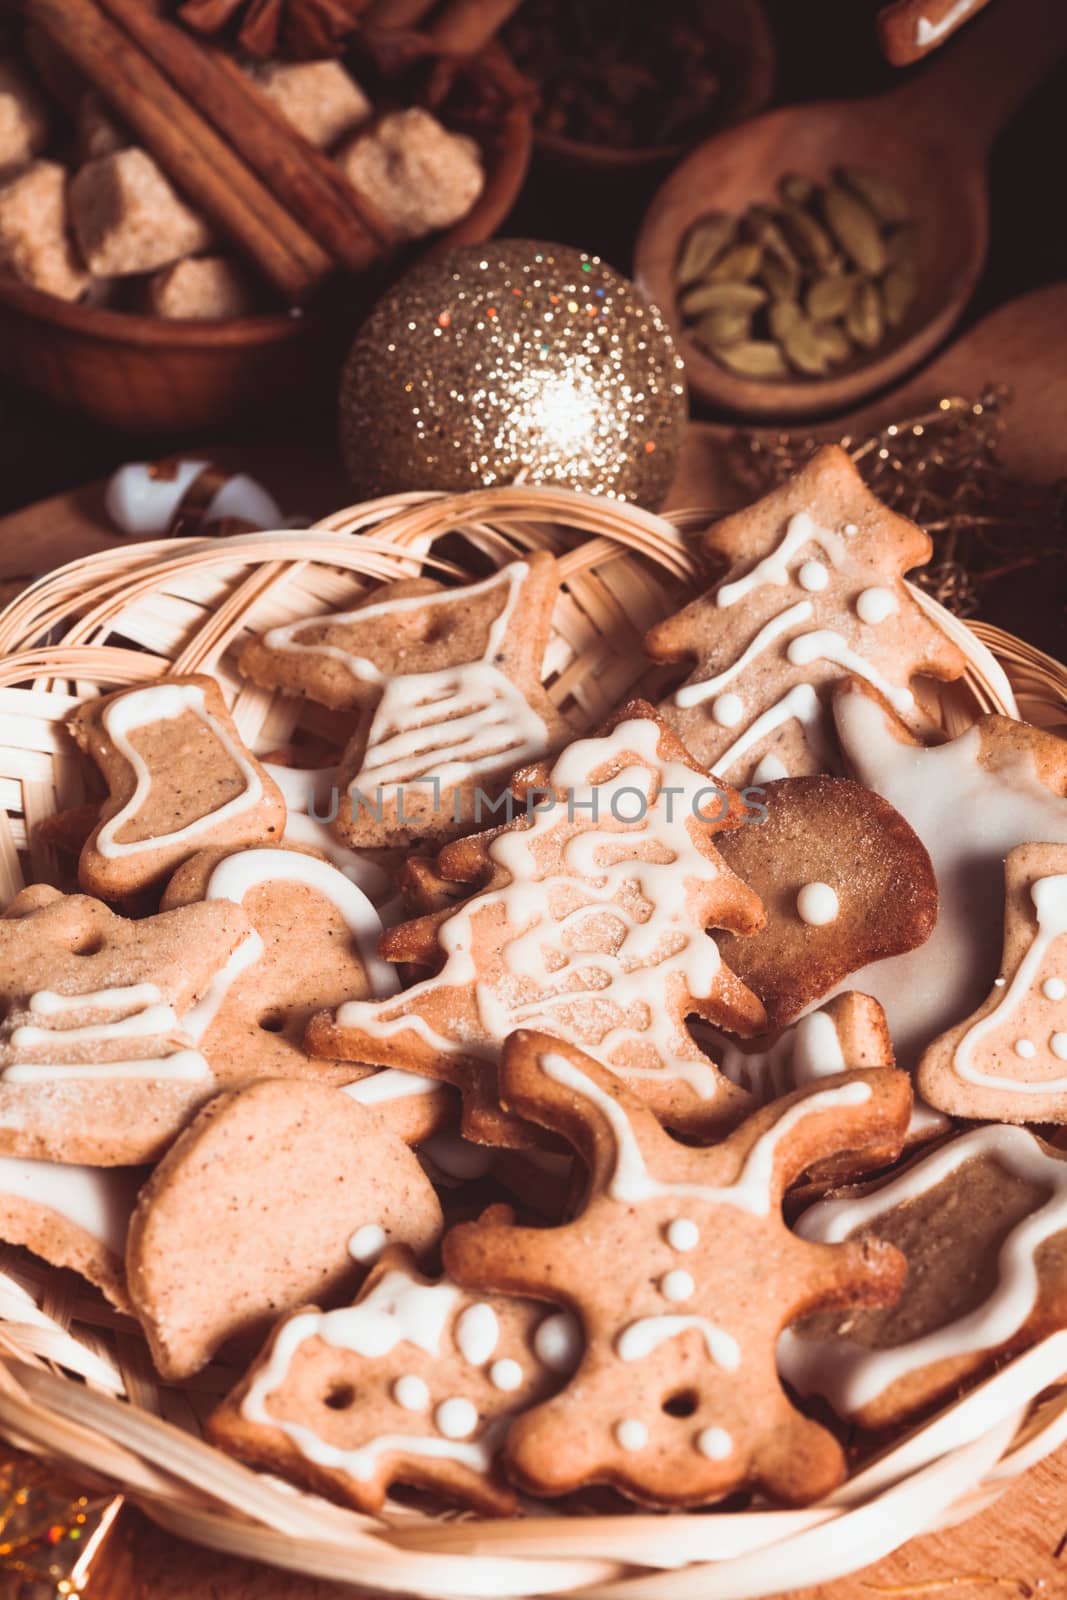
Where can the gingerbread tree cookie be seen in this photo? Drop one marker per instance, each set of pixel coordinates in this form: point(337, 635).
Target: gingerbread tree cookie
point(844, 881)
point(415, 1383)
point(971, 801)
point(180, 780)
point(591, 926)
point(683, 1273)
point(95, 1062)
point(972, 1293)
point(1008, 1061)
point(814, 592)
point(446, 685)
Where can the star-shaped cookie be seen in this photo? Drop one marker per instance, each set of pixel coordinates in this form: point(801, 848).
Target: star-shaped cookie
point(814, 591)
point(446, 688)
point(591, 926)
point(682, 1273)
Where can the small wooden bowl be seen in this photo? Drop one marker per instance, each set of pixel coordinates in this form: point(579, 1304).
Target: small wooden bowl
point(148, 375)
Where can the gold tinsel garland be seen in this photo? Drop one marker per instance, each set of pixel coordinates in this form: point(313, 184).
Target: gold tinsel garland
point(940, 468)
point(51, 1530)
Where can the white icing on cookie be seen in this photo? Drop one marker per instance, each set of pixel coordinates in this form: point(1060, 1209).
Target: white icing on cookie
point(477, 1333)
point(727, 710)
point(456, 1417)
point(694, 694)
point(715, 1443)
point(99, 1200)
point(928, 33)
point(182, 1065)
point(826, 644)
point(558, 1342)
point(411, 1392)
point(875, 605)
point(630, 1434)
point(641, 1338)
point(813, 576)
point(505, 1374)
point(683, 1234)
point(677, 1285)
point(810, 1048)
point(769, 770)
point(1054, 989)
point(817, 904)
point(801, 531)
point(367, 1243)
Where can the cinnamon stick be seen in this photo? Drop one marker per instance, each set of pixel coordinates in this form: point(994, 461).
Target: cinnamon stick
point(185, 144)
point(306, 181)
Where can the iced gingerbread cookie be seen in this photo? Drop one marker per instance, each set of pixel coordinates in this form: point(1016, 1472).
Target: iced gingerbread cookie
point(96, 1063)
point(446, 687)
point(910, 29)
point(71, 1216)
point(814, 592)
point(982, 1223)
point(276, 1192)
point(676, 1401)
point(415, 1383)
point(180, 779)
point(1008, 1060)
point(971, 801)
point(591, 926)
point(844, 881)
point(412, 1107)
point(847, 1034)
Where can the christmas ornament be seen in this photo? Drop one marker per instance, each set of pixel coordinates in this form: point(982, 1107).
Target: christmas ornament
point(941, 469)
point(50, 1531)
point(514, 360)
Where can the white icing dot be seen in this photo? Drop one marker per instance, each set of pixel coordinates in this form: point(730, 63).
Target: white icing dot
point(411, 1393)
point(727, 710)
point(715, 1443)
point(813, 576)
point(1054, 989)
point(558, 1342)
point(1058, 1045)
point(677, 1285)
point(874, 605)
point(1025, 1048)
point(769, 770)
point(477, 1332)
point(682, 1234)
point(456, 1418)
point(367, 1243)
point(850, 528)
point(817, 904)
point(505, 1374)
point(631, 1434)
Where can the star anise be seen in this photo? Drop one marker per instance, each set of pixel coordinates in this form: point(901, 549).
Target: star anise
point(301, 30)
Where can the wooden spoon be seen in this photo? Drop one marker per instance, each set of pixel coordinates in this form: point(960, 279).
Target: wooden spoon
point(931, 137)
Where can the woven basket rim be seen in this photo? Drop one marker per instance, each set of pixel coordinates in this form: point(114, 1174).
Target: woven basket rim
point(955, 1462)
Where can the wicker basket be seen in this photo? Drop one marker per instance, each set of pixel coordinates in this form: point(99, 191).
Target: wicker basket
point(125, 616)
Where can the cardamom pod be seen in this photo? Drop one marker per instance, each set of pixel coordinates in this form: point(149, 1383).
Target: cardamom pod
point(808, 237)
point(796, 188)
point(833, 341)
point(802, 349)
point(829, 297)
point(717, 329)
point(704, 243)
point(782, 317)
point(880, 194)
point(753, 358)
point(899, 288)
point(864, 322)
point(737, 264)
point(763, 225)
point(746, 297)
point(781, 277)
point(855, 228)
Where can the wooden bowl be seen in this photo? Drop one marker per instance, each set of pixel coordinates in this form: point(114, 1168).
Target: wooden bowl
point(149, 375)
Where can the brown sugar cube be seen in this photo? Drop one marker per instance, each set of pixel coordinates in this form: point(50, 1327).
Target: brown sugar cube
point(318, 98)
point(34, 243)
point(23, 117)
point(99, 134)
point(418, 174)
point(128, 218)
point(206, 288)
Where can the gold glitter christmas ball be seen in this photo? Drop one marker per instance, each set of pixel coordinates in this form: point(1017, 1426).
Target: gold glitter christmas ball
point(509, 360)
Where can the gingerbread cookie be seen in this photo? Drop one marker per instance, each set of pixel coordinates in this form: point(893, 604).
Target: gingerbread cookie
point(847, 1034)
point(682, 1272)
point(1008, 1061)
point(415, 1383)
point(982, 1223)
point(971, 801)
point(844, 881)
point(591, 925)
point(74, 1217)
point(446, 684)
point(95, 1062)
point(180, 780)
point(814, 592)
point(313, 943)
point(910, 29)
point(277, 1192)
point(413, 1108)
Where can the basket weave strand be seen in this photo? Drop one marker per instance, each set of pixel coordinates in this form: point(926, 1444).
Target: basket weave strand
point(126, 616)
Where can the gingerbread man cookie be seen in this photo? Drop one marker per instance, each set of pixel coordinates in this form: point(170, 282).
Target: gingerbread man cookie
point(682, 1273)
point(814, 592)
point(591, 926)
point(447, 687)
point(982, 1223)
point(1008, 1061)
point(180, 779)
point(96, 1064)
point(844, 881)
point(415, 1383)
point(971, 801)
point(275, 1193)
